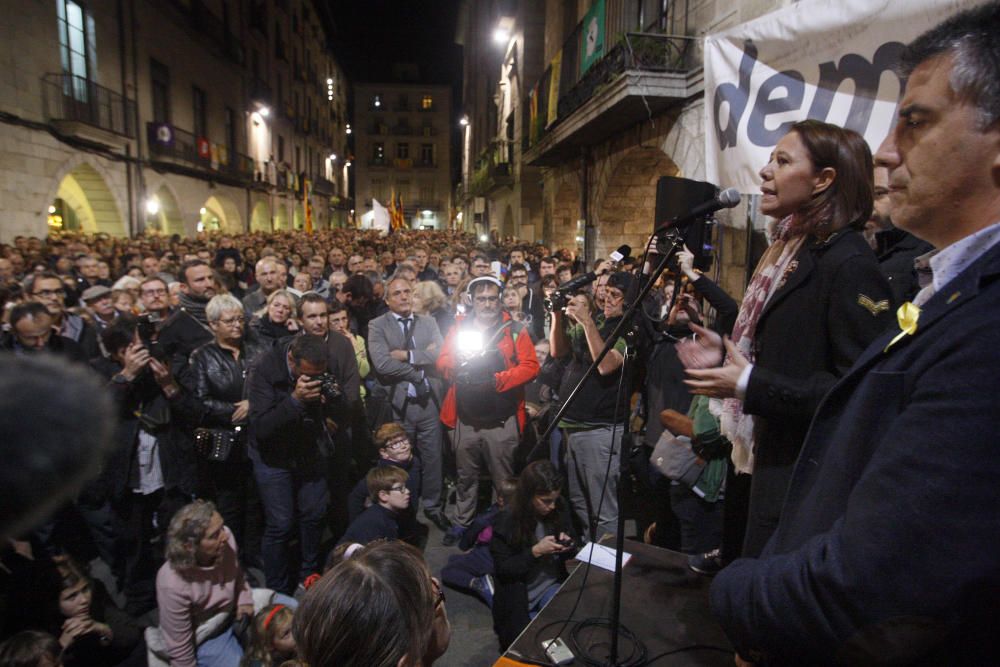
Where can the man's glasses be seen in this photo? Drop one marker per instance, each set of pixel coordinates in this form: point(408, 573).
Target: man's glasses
point(402, 443)
point(400, 488)
point(154, 292)
point(487, 299)
point(49, 293)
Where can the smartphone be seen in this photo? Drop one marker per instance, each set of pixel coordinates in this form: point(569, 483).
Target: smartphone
point(496, 268)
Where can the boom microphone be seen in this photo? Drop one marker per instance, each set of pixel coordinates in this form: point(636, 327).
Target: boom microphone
point(728, 198)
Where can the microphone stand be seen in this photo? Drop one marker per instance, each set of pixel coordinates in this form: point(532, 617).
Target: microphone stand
point(672, 237)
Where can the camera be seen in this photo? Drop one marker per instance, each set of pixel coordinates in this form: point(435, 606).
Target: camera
point(329, 387)
point(148, 328)
point(558, 300)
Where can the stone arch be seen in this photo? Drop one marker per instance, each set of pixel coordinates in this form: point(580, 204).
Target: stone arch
point(83, 201)
point(507, 226)
point(626, 208)
point(298, 217)
point(565, 213)
point(168, 218)
point(224, 212)
point(92, 178)
point(281, 217)
point(260, 218)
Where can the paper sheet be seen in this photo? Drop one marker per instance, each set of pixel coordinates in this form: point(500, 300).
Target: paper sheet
point(601, 556)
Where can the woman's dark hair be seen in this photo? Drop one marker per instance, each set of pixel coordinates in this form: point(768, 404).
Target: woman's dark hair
point(368, 611)
point(538, 478)
point(849, 199)
point(38, 596)
point(119, 334)
point(26, 649)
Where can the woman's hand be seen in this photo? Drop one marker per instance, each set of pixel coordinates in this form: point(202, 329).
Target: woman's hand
point(718, 382)
point(73, 628)
point(549, 545)
point(705, 350)
point(292, 324)
point(242, 409)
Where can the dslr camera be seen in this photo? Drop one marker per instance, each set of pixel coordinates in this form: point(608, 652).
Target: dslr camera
point(148, 328)
point(558, 300)
point(329, 387)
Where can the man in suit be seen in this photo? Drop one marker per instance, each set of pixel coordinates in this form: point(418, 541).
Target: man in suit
point(404, 347)
point(886, 550)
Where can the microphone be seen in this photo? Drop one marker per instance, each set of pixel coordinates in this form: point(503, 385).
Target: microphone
point(728, 198)
point(622, 253)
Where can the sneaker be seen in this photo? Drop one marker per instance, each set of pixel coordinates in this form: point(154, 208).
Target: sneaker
point(483, 587)
point(438, 518)
point(452, 536)
point(709, 564)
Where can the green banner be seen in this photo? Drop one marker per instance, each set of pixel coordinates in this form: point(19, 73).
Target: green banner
point(592, 37)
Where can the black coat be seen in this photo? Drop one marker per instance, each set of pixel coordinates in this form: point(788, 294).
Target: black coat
point(896, 251)
point(219, 378)
point(513, 565)
point(832, 306)
point(180, 335)
point(143, 395)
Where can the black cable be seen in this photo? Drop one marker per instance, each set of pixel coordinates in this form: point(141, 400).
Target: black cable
point(636, 658)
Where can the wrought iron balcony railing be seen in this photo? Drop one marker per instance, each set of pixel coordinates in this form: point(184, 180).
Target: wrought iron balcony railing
point(75, 98)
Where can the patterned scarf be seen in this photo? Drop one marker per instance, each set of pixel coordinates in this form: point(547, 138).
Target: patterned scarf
point(770, 275)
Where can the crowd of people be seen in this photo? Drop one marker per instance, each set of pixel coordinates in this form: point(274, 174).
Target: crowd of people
point(293, 411)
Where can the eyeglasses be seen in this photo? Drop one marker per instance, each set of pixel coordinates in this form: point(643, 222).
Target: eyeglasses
point(154, 292)
point(48, 293)
point(439, 597)
point(402, 443)
point(232, 321)
point(401, 488)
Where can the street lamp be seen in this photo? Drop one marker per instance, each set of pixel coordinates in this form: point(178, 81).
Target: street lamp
point(501, 35)
point(264, 111)
point(152, 206)
point(464, 121)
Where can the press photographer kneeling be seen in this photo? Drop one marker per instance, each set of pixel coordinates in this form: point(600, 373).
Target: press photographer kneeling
point(490, 358)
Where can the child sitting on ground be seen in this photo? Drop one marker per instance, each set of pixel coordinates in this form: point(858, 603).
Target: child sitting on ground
point(472, 571)
point(271, 640)
point(390, 499)
point(394, 449)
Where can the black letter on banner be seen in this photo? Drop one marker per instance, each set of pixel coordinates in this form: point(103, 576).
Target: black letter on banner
point(736, 96)
point(866, 76)
point(765, 106)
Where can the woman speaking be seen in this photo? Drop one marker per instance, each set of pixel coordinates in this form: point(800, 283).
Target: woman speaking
point(814, 303)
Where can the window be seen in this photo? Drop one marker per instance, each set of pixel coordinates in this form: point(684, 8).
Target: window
point(199, 113)
point(160, 79)
point(427, 154)
point(378, 152)
point(427, 103)
point(76, 30)
point(402, 150)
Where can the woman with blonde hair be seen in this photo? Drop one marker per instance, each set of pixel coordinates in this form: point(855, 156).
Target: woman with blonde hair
point(276, 320)
point(429, 299)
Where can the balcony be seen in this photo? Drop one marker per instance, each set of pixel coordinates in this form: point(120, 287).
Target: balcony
point(80, 107)
point(493, 168)
point(322, 186)
point(645, 73)
point(172, 145)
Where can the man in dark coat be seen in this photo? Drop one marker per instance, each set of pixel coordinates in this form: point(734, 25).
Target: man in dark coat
point(886, 551)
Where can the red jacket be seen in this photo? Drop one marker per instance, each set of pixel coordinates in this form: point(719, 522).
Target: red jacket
point(513, 379)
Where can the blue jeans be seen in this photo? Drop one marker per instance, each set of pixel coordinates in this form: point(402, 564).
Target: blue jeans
point(549, 593)
point(288, 495)
point(221, 651)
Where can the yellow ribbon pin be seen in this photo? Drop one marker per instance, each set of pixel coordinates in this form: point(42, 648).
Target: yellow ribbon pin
point(907, 314)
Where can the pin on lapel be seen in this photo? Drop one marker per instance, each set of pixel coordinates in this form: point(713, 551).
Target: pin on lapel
point(907, 314)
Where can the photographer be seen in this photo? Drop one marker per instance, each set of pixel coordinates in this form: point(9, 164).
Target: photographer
point(290, 443)
point(532, 540)
point(490, 358)
point(594, 415)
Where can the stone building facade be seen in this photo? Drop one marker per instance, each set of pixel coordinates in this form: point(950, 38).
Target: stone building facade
point(170, 116)
point(402, 138)
point(598, 139)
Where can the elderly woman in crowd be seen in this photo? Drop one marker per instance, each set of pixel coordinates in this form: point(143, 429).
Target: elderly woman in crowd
point(200, 590)
point(219, 369)
point(276, 321)
point(379, 608)
point(815, 302)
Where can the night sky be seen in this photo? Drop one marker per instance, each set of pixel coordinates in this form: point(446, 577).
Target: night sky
point(371, 35)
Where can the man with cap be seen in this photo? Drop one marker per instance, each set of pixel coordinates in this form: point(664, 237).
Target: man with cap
point(489, 358)
point(100, 306)
point(595, 420)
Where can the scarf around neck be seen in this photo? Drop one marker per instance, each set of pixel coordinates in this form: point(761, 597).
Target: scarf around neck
point(194, 307)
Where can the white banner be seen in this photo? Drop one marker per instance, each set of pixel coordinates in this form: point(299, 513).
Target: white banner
point(830, 60)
